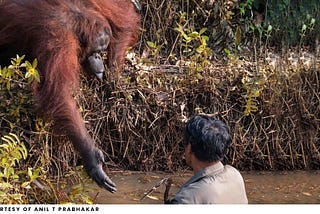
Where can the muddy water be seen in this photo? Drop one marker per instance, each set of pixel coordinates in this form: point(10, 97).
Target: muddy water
point(298, 187)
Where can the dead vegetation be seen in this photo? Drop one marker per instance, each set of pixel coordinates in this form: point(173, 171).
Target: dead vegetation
point(269, 97)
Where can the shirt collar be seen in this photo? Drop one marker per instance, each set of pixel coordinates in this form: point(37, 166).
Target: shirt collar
point(210, 170)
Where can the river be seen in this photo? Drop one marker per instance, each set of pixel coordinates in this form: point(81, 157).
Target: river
point(280, 187)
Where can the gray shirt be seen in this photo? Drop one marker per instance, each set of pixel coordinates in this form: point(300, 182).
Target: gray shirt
point(216, 184)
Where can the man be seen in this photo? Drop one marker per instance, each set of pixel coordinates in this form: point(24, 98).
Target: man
point(206, 143)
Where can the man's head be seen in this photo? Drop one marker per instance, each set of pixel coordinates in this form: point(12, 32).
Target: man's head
point(209, 138)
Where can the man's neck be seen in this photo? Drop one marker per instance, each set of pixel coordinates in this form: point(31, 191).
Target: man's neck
point(199, 165)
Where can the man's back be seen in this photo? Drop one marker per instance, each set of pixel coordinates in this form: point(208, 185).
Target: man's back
point(217, 184)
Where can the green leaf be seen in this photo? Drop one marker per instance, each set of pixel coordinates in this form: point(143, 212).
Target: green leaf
point(151, 44)
point(312, 21)
point(35, 63)
point(26, 185)
point(202, 30)
point(30, 172)
point(193, 34)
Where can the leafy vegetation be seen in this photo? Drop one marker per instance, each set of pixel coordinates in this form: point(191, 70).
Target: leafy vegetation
point(14, 102)
point(15, 180)
point(24, 167)
point(11, 153)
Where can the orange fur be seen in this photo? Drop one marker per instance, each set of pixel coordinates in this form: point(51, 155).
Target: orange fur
point(59, 33)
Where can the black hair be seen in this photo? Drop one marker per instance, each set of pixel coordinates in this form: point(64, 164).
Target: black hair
point(209, 137)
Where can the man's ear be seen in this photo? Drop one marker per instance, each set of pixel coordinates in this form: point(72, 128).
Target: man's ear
point(188, 149)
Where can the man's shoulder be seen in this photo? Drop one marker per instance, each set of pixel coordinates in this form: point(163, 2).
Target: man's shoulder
point(232, 173)
point(231, 169)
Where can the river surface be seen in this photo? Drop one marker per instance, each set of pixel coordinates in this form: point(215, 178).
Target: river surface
point(294, 187)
